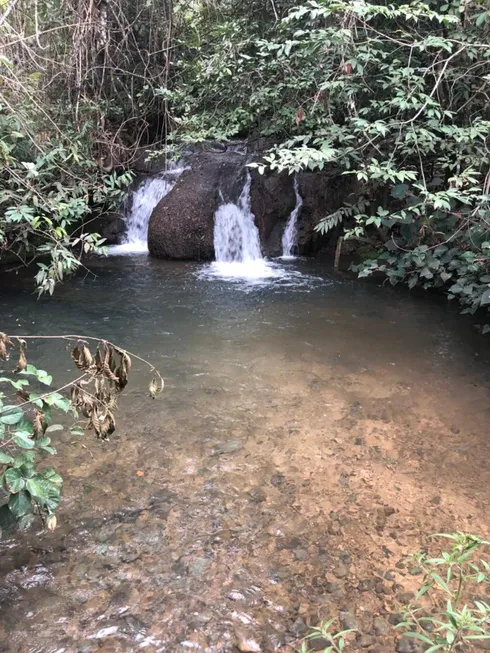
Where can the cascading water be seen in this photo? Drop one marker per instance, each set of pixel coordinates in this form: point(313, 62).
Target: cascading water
point(237, 244)
point(236, 238)
point(290, 236)
point(143, 201)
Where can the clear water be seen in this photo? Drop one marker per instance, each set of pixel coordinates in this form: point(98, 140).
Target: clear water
point(209, 511)
point(290, 236)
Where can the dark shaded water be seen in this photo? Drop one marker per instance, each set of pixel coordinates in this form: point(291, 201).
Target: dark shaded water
point(176, 535)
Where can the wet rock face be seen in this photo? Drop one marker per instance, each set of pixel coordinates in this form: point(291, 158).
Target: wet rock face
point(182, 224)
point(273, 200)
point(323, 193)
point(114, 230)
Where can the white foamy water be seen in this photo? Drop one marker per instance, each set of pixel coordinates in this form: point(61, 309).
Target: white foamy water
point(236, 237)
point(237, 242)
point(144, 200)
point(290, 236)
point(237, 245)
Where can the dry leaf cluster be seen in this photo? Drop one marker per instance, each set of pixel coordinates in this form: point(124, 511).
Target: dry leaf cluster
point(95, 393)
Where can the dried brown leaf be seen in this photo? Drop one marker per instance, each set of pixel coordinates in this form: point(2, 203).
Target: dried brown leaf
point(122, 372)
point(39, 424)
point(103, 361)
point(103, 423)
point(157, 385)
point(5, 343)
point(82, 357)
point(22, 364)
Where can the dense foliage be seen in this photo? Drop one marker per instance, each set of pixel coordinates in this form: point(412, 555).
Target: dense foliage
point(394, 93)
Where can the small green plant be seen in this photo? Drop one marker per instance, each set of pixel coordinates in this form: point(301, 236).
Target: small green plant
point(448, 611)
point(324, 631)
point(26, 408)
point(451, 582)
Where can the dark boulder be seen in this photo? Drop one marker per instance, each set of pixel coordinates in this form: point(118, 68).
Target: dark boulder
point(323, 193)
point(182, 224)
point(273, 200)
point(114, 229)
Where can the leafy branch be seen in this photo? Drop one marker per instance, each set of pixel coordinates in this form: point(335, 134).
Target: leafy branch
point(25, 425)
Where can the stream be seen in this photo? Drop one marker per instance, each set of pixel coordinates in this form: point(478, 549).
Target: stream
point(313, 431)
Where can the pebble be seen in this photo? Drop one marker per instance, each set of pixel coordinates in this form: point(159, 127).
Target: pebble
point(340, 570)
point(199, 566)
point(247, 644)
point(395, 619)
point(300, 554)
point(334, 588)
point(258, 495)
point(415, 571)
point(348, 621)
point(382, 588)
point(366, 641)
point(230, 446)
point(319, 644)
point(299, 627)
point(406, 645)
point(366, 585)
point(380, 627)
point(405, 597)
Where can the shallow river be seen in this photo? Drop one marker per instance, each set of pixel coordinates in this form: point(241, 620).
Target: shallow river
point(314, 429)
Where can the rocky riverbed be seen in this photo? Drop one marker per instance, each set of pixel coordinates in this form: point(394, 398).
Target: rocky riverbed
point(282, 479)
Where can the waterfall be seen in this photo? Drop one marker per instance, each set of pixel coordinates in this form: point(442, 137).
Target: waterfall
point(237, 244)
point(236, 238)
point(290, 236)
point(143, 201)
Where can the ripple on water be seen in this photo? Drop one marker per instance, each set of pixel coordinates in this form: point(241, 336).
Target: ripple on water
point(258, 273)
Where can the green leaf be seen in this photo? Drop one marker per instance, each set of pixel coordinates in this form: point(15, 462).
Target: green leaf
point(399, 191)
point(485, 298)
point(27, 458)
point(14, 480)
point(52, 476)
point(442, 583)
point(11, 415)
point(77, 430)
point(63, 404)
point(44, 377)
point(16, 384)
point(20, 504)
point(5, 459)
point(418, 636)
point(30, 369)
point(39, 488)
point(24, 441)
